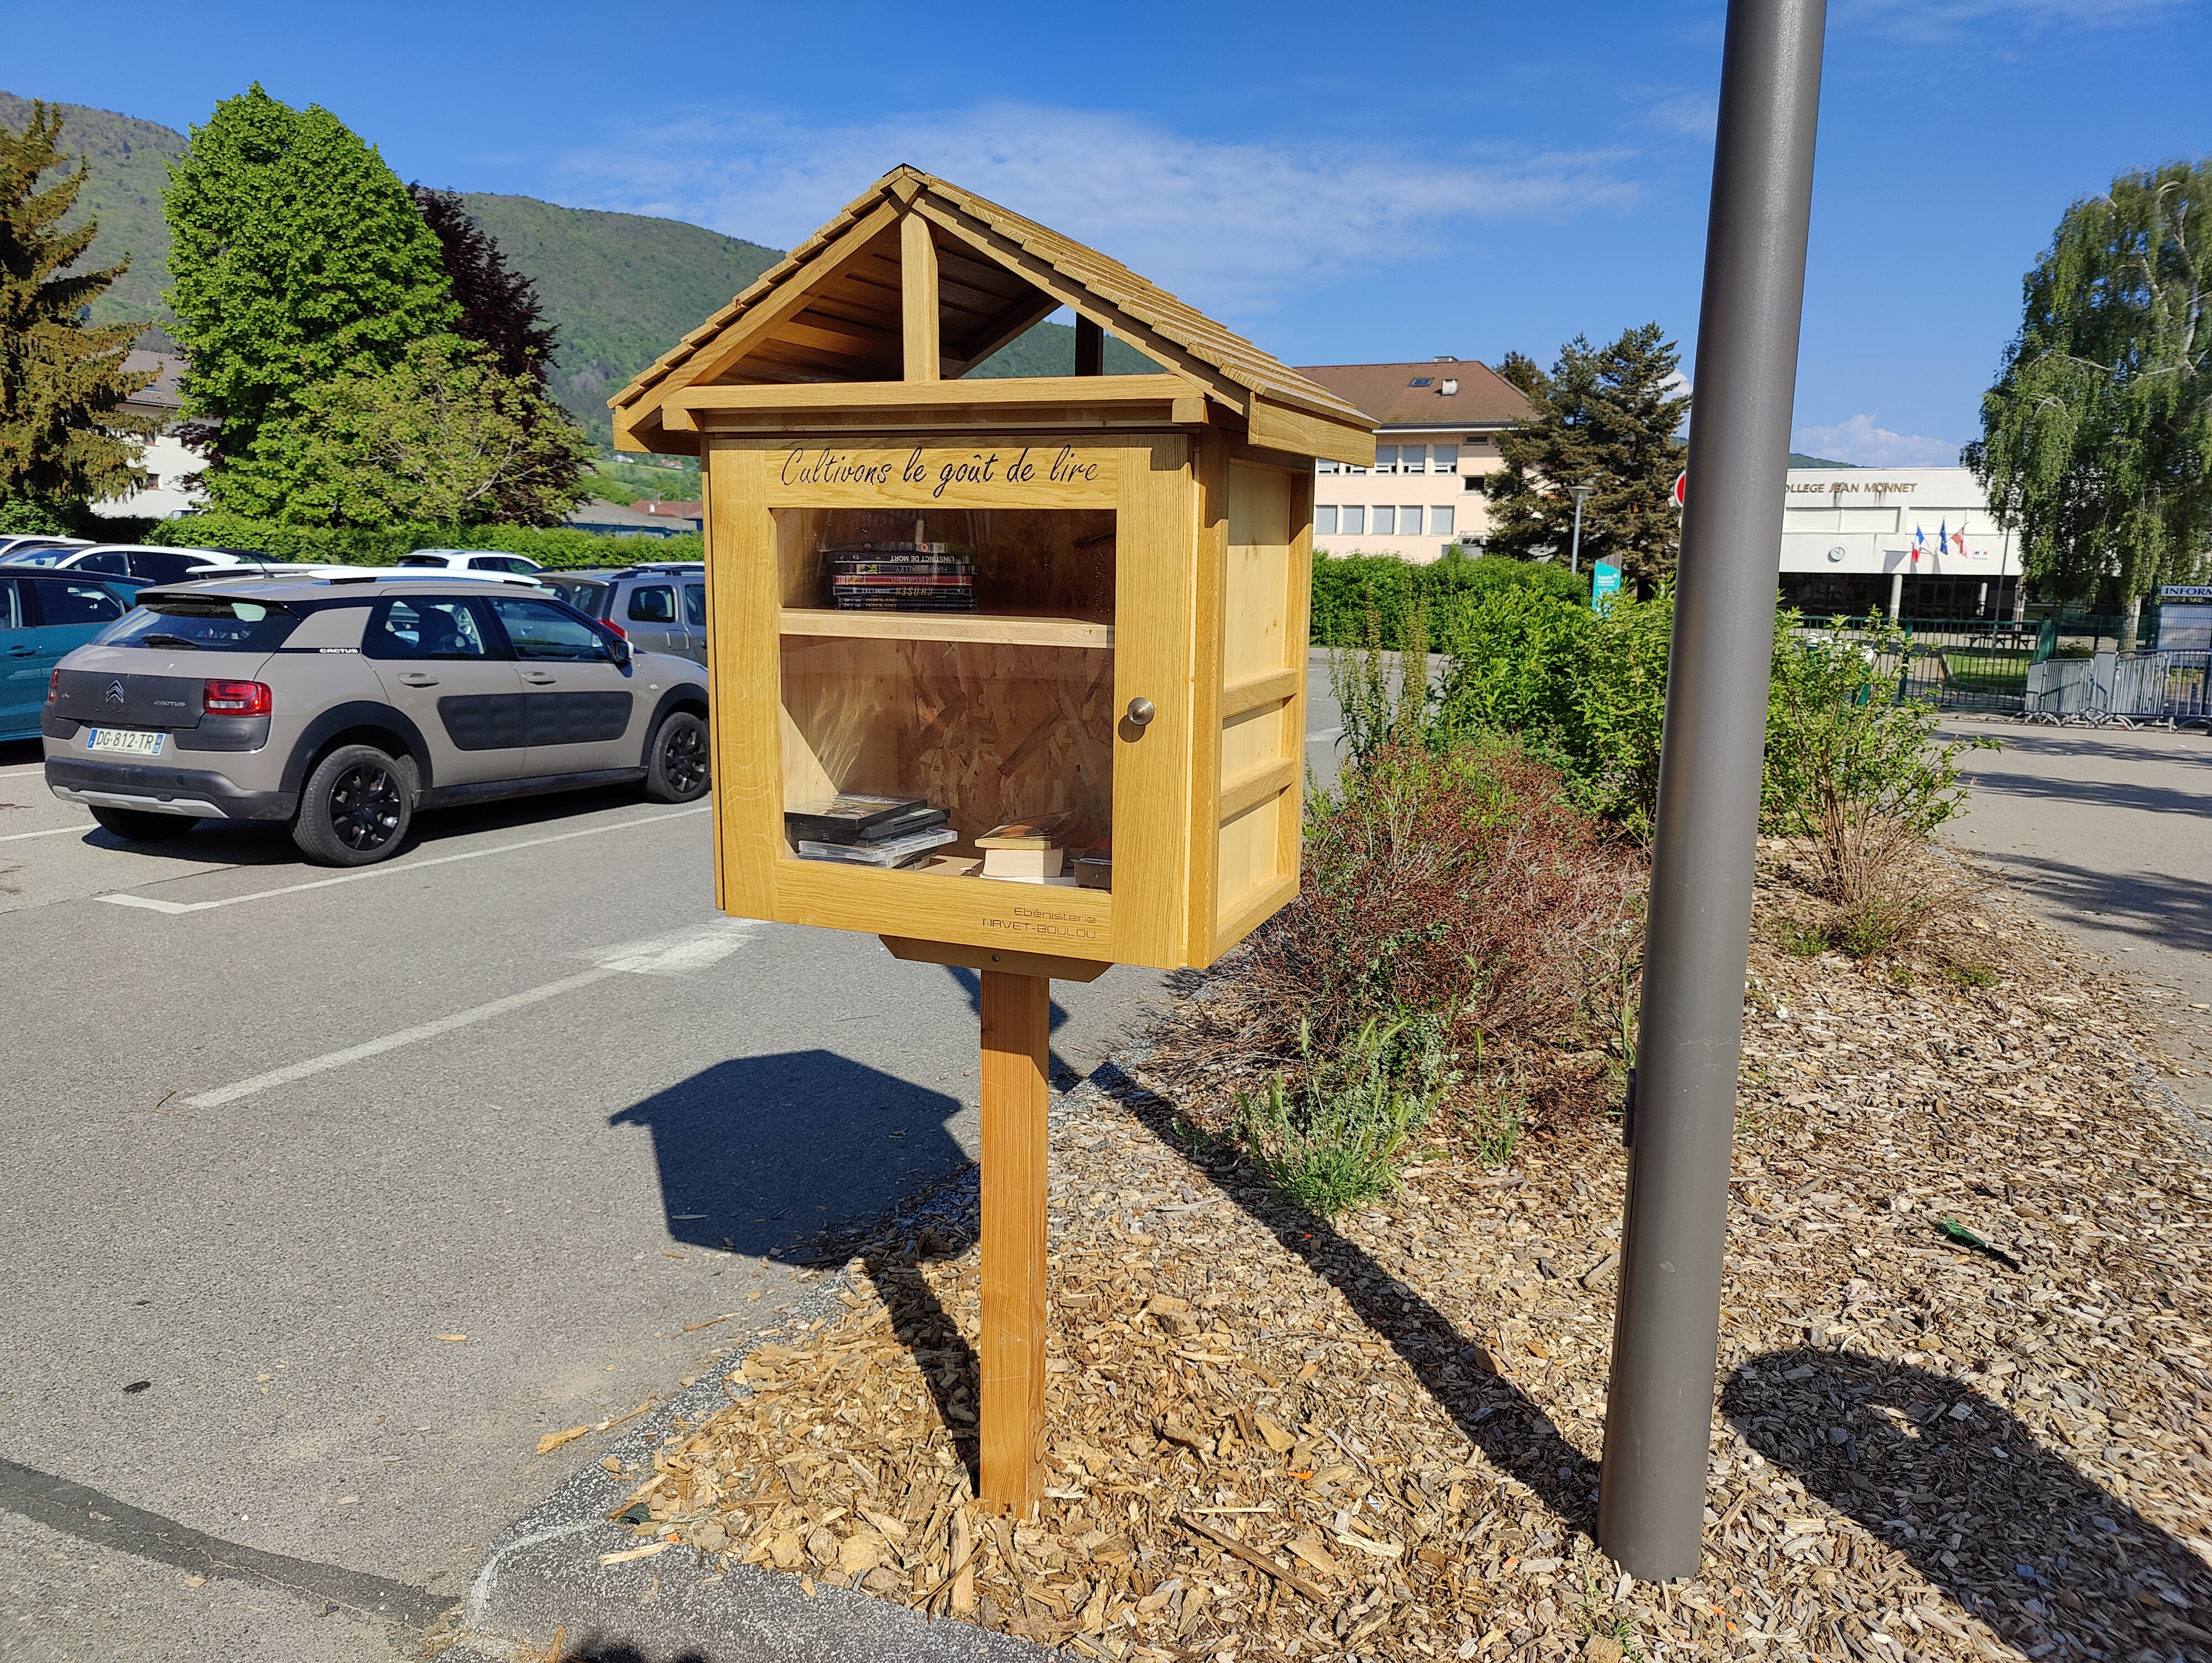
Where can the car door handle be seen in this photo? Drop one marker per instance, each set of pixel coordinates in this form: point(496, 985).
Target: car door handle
point(416, 679)
point(23, 651)
point(537, 678)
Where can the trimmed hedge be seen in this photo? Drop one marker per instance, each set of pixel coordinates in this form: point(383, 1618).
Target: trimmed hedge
point(560, 546)
point(1346, 587)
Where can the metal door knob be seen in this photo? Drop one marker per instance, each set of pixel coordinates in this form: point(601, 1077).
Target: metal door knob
point(1141, 711)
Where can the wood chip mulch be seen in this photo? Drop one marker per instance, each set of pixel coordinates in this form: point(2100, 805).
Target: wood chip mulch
point(1271, 1438)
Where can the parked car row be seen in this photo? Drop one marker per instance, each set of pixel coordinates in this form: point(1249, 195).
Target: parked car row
point(339, 704)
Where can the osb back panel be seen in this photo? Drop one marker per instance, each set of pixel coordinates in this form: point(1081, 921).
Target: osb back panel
point(1059, 561)
point(991, 733)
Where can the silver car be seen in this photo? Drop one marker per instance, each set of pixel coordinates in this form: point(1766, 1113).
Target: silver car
point(661, 605)
point(339, 706)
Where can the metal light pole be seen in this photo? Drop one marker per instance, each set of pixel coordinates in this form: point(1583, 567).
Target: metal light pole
point(1575, 550)
point(1681, 1116)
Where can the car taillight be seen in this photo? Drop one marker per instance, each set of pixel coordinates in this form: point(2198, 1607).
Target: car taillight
point(610, 624)
point(53, 686)
point(238, 698)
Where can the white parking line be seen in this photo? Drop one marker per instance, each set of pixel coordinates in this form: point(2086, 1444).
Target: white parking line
point(680, 954)
point(21, 774)
point(392, 870)
point(51, 831)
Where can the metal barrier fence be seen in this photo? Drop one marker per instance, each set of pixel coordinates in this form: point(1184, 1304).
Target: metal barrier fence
point(2122, 690)
point(1960, 664)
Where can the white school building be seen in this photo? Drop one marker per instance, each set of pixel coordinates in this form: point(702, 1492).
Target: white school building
point(1918, 543)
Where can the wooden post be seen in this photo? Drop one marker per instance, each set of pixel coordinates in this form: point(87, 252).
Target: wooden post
point(1089, 348)
point(918, 298)
point(1017, 1029)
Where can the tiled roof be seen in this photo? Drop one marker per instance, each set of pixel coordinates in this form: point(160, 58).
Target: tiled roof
point(1387, 393)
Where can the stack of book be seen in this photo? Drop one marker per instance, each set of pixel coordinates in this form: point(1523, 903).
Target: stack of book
point(899, 577)
point(1094, 867)
point(1025, 851)
point(860, 829)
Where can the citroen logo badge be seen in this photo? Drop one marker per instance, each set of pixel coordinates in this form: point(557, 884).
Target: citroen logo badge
point(115, 691)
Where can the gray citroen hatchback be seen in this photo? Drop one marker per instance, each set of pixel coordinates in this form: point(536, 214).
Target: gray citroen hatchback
point(339, 706)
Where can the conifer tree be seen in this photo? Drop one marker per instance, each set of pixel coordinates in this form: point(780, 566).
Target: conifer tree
point(1607, 417)
point(64, 438)
point(2097, 439)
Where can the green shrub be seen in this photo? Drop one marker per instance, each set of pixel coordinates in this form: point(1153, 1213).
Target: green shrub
point(556, 546)
point(1853, 765)
point(1364, 599)
point(1332, 1139)
point(20, 516)
point(1585, 690)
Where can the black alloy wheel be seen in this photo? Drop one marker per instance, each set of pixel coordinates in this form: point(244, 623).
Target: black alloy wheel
point(680, 765)
point(356, 807)
point(365, 807)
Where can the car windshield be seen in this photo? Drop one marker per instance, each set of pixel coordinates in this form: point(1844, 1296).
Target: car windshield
point(207, 625)
point(419, 560)
point(39, 557)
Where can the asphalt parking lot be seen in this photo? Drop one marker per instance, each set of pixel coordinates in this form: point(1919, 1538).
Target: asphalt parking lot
point(329, 1194)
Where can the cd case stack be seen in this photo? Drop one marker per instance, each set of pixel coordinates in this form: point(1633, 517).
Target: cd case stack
point(862, 830)
point(899, 577)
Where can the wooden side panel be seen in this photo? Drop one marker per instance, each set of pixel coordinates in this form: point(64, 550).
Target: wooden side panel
point(1154, 602)
point(1257, 771)
point(1209, 480)
point(742, 671)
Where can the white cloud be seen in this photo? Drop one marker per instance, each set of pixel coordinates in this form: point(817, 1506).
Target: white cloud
point(1861, 440)
point(1690, 115)
point(1949, 21)
point(1232, 226)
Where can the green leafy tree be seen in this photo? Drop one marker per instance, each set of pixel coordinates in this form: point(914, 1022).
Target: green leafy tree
point(442, 437)
point(2096, 437)
point(1605, 416)
point(297, 257)
point(64, 436)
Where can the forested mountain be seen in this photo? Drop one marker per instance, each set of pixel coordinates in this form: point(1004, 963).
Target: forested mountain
point(621, 288)
point(129, 167)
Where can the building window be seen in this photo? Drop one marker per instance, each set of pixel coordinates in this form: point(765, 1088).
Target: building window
point(1385, 459)
point(1324, 522)
point(1386, 520)
point(1470, 482)
point(1443, 459)
point(1411, 458)
point(1409, 520)
point(1327, 467)
point(1440, 520)
point(1355, 521)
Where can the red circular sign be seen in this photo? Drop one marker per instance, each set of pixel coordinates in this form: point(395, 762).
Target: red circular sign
point(1681, 490)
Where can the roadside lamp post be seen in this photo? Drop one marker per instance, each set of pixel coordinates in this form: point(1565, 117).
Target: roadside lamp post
point(1680, 1117)
point(1575, 550)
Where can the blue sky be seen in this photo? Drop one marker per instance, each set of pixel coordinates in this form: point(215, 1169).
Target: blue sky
point(1341, 184)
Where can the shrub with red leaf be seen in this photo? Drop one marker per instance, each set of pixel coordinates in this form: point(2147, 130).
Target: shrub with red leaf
point(1461, 885)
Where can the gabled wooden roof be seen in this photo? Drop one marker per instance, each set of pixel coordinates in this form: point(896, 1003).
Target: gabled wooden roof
point(835, 312)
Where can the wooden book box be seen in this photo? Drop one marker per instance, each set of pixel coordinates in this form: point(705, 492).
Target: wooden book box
point(1133, 669)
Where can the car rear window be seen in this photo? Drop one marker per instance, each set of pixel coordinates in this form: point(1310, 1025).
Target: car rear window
point(656, 604)
point(208, 624)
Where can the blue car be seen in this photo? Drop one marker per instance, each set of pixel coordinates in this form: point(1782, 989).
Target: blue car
point(44, 614)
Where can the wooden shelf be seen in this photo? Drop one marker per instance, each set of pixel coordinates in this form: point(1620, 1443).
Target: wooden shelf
point(989, 628)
